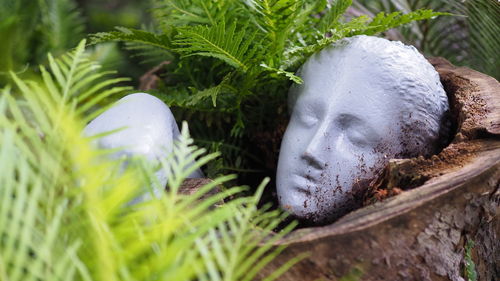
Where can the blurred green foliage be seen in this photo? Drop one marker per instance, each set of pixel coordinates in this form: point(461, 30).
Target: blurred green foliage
point(470, 38)
point(103, 15)
point(29, 29)
point(32, 28)
point(66, 211)
point(232, 63)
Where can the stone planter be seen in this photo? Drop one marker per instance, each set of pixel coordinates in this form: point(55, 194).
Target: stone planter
point(421, 233)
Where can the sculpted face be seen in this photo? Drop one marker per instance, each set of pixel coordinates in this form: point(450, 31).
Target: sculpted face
point(346, 123)
point(145, 127)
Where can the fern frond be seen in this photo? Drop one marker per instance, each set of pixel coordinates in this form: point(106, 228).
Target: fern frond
point(277, 20)
point(65, 207)
point(161, 41)
point(29, 252)
point(237, 254)
point(148, 54)
point(177, 13)
point(34, 28)
point(469, 38)
point(332, 15)
point(358, 24)
point(226, 44)
point(61, 25)
point(274, 12)
point(79, 79)
point(260, 44)
point(180, 12)
point(213, 92)
point(383, 22)
point(288, 74)
point(484, 30)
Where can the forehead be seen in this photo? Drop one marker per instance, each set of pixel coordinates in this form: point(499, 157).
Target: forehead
point(334, 83)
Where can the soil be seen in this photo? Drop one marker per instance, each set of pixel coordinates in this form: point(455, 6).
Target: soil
point(443, 202)
point(470, 116)
point(405, 174)
point(467, 113)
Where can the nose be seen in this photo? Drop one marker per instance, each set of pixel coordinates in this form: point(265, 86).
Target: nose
point(315, 150)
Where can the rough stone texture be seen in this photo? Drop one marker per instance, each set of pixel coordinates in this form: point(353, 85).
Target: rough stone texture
point(145, 127)
point(364, 100)
point(420, 234)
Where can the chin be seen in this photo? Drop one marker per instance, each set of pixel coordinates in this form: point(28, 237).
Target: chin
point(309, 212)
point(313, 217)
point(306, 214)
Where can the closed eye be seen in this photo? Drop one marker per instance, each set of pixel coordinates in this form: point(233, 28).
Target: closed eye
point(357, 130)
point(345, 121)
point(357, 138)
point(306, 115)
point(308, 120)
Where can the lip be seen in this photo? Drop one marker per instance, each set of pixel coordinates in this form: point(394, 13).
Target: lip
point(302, 183)
point(304, 179)
point(303, 190)
point(311, 176)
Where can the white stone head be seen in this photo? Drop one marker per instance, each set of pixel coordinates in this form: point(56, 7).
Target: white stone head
point(364, 100)
point(144, 127)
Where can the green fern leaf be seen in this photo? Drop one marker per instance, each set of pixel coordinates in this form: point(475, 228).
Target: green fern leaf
point(188, 12)
point(180, 12)
point(216, 41)
point(281, 72)
point(123, 34)
point(275, 14)
point(65, 211)
point(277, 20)
point(359, 24)
point(62, 25)
point(148, 54)
point(261, 43)
point(331, 18)
point(484, 29)
point(213, 92)
point(383, 22)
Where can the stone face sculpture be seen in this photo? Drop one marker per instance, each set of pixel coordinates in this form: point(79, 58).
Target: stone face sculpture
point(364, 100)
point(147, 125)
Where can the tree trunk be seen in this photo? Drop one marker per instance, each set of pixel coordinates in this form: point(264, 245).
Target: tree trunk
point(421, 233)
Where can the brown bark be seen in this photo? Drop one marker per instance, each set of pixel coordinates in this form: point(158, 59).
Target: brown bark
point(420, 234)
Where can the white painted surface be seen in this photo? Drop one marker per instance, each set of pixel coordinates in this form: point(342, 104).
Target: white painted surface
point(147, 125)
point(364, 100)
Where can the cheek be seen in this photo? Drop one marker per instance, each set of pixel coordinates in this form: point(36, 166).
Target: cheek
point(293, 142)
point(345, 170)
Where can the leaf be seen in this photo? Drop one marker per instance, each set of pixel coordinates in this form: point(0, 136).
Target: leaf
point(216, 41)
point(355, 25)
point(61, 24)
point(67, 210)
point(383, 22)
point(332, 15)
point(287, 74)
point(180, 12)
point(213, 92)
point(260, 44)
point(469, 265)
point(123, 34)
point(175, 13)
